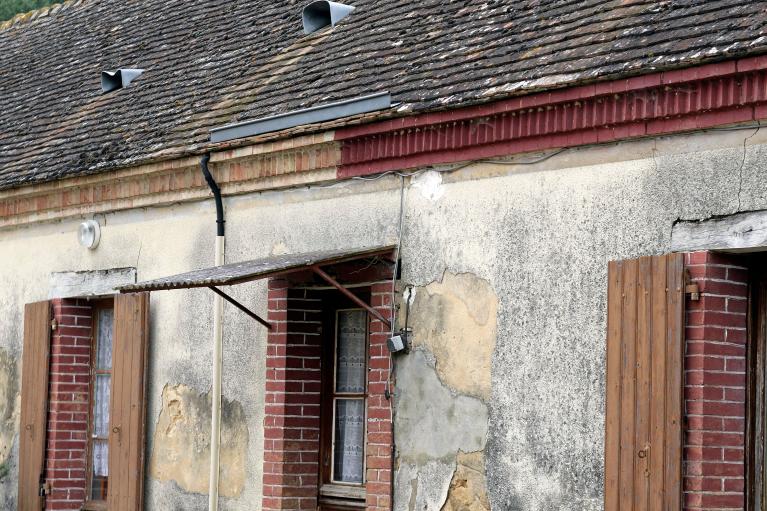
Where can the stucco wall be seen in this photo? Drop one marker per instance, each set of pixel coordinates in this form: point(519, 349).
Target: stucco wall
point(515, 254)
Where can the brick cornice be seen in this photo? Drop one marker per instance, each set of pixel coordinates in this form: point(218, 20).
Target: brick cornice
point(276, 164)
point(661, 103)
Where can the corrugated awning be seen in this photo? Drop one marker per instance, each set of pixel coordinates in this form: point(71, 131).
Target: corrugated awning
point(238, 273)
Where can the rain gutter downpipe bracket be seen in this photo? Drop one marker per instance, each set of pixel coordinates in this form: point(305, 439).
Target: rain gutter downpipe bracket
point(218, 335)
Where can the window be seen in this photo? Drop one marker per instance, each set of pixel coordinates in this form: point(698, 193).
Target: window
point(349, 397)
point(75, 352)
point(344, 406)
point(101, 378)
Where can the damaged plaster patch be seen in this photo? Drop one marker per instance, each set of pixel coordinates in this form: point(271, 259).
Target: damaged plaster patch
point(429, 184)
point(280, 248)
point(424, 487)
point(468, 489)
point(433, 423)
point(455, 319)
point(181, 447)
point(9, 408)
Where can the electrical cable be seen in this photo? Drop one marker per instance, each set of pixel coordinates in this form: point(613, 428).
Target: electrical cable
point(393, 319)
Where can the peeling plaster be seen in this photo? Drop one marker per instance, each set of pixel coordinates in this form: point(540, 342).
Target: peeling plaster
point(456, 320)
point(10, 400)
point(468, 489)
point(433, 424)
point(429, 184)
point(181, 448)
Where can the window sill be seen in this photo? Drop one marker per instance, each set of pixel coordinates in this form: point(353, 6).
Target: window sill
point(341, 495)
point(95, 505)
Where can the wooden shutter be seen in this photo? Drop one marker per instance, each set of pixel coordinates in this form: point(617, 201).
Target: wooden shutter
point(127, 408)
point(34, 404)
point(645, 336)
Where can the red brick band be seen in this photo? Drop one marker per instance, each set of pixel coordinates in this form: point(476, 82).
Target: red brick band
point(669, 102)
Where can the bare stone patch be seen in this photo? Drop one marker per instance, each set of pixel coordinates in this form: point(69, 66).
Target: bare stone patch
point(181, 448)
point(468, 489)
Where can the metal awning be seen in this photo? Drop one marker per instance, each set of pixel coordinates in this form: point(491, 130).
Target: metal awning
point(247, 271)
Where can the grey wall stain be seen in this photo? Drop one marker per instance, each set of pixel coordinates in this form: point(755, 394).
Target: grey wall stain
point(433, 423)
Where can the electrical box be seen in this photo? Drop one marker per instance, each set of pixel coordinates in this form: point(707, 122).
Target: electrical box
point(399, 343)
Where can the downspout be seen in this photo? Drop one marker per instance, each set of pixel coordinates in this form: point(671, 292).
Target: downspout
point(218, 333)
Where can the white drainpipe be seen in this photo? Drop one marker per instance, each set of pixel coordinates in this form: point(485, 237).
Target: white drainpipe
point(218, 335)
point(215, 423)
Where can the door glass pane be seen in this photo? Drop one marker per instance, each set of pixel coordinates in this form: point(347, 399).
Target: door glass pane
point(349, 441)
point(100, 469)
point(101, 405)
point(104, 339)
point(350, 351)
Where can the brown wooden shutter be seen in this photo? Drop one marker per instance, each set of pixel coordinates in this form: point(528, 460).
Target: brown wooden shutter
point(127, 408)
point(34, 404)
point(645, 336)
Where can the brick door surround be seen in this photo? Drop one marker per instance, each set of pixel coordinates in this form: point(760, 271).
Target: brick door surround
point(293, 399)
point(715, 383)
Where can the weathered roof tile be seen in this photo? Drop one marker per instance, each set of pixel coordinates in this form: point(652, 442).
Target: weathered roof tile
point(211, 62)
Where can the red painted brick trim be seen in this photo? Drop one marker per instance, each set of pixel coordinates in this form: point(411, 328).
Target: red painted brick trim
point(68, 409)
point(661, 103)
point(715, 384)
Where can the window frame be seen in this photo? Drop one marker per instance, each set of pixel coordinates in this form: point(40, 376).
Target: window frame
point(98, 306)
point(335, 396)
point(755, 449)
point(352, 494)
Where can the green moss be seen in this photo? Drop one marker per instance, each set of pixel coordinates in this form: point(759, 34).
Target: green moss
point(10, 8)
point(4, 470)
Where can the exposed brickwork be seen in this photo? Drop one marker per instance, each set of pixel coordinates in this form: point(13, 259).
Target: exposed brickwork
point(69, 396)
point(715, 384)
point(379, 439)
point(293, 384)
point(293, 400)
point(259, 167)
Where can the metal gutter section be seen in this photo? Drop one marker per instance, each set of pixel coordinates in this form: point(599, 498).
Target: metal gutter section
point(322, 113)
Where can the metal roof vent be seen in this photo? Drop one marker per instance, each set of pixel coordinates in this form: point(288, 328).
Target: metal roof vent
point(113, 80)
point(322, 13)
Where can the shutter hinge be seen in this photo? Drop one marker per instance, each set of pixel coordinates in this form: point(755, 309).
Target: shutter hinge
point(691, 288)
point(54, 324)
point(45, 488)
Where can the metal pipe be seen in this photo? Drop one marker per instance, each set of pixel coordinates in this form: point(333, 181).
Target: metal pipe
point(218, 335)
point(356, 299)
point(216, 195)
point(241, 307)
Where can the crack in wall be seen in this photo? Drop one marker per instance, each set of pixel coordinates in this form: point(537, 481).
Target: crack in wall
point(742, 164)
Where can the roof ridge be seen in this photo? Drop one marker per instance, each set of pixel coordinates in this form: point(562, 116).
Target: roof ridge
point(30, 16)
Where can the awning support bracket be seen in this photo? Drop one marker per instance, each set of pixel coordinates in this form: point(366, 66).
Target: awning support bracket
point(241, 307)
point(330, 280)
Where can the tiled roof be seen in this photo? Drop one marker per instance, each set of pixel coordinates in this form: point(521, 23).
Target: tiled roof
point(211, 62)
